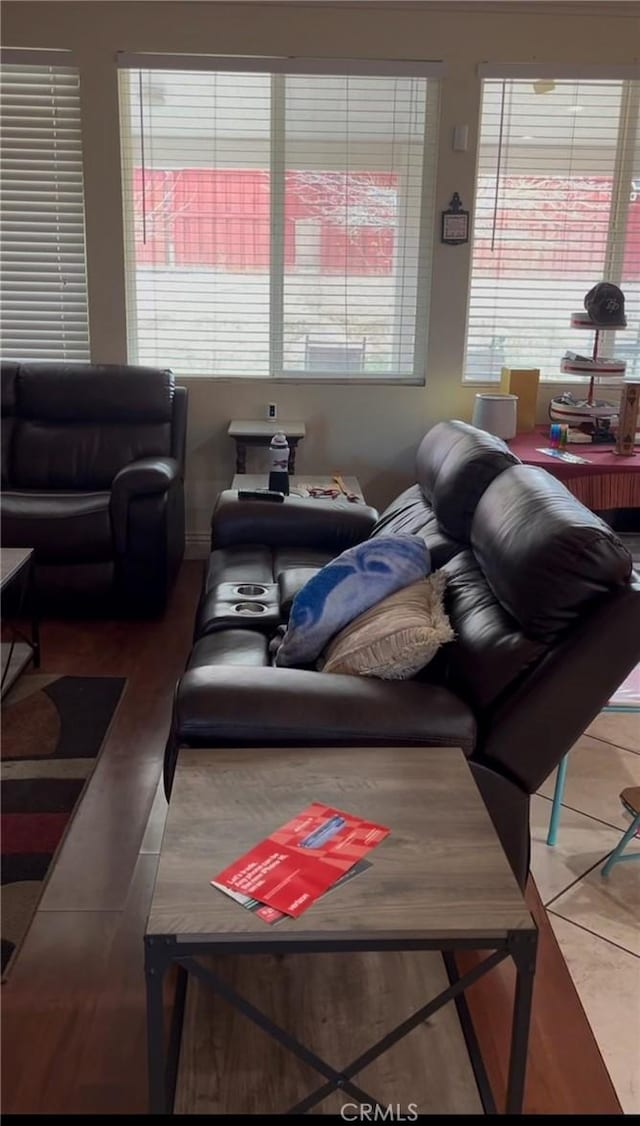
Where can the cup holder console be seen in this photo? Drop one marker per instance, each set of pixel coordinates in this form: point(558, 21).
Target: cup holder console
point(249, 608)
point(245, 605)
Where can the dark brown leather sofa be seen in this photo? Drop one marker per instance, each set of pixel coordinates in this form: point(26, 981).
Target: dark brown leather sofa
point(92, 479)
point(541, 595)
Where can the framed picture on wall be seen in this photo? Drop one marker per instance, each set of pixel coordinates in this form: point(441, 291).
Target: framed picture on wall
point(455, 222)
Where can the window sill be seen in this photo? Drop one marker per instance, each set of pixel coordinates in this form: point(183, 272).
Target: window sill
point(306, 380)
point(568, 381)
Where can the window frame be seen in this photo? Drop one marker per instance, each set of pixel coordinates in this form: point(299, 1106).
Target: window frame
point(629, 76)
point(279, 69)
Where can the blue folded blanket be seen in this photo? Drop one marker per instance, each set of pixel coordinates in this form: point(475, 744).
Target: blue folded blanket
point(358, 579)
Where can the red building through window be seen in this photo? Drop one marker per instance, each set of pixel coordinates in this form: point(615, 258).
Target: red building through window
point(221, 219)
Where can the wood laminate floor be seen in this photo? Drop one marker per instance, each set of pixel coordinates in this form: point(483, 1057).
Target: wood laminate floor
point(338, 1005)
point(73, 1014)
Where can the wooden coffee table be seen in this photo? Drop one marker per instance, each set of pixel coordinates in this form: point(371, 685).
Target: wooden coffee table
point(16, 565)
point(439, 882)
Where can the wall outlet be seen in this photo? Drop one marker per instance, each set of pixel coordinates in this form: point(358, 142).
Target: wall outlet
point(461, 138)
point(272, 410)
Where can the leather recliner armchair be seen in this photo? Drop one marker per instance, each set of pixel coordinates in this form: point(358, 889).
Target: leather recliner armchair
point(92, 479)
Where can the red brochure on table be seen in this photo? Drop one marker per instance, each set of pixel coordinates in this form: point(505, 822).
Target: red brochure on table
point(300, 860)
point(269, 914)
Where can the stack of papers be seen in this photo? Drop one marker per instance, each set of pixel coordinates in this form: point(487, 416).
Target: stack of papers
point(317, 850)
point(562, 455)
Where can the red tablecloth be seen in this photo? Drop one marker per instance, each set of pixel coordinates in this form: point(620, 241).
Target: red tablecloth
point(607, 480)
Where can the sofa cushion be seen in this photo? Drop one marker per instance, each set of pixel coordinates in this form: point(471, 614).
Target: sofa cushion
point(491, 652)
point(290, 583)
point(455, 464)
point(395, 639)
point(77, 425)
point(412, 513)
point(252, 707)
point(291, 558)
point(61, 527)
point(84, 456)
point(346, 587)
point(99, 393)
point(247, 563)
point(256, 563)
point(544, 555)
point(230, 647)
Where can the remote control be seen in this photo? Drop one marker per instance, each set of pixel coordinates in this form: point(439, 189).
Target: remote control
point(260, 494)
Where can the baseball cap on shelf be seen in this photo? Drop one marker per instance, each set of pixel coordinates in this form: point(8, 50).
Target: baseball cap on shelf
point(605, 306)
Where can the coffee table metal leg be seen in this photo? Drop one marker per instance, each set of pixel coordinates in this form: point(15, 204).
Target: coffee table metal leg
point(154, 968)
point(35, 617)
point(175, 1035)
point(163, 1063)
point(522, 948)
point(468, 1031)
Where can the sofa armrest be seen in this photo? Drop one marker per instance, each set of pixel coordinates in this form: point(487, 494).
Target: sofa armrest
point(295, 522)
point(231, 706)
point(148, 476)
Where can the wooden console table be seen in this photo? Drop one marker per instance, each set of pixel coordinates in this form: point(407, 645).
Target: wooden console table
point(248, 432)
point(300, 486)
point(607, 480)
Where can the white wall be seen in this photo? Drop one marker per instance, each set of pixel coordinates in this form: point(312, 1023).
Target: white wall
point(368, 430)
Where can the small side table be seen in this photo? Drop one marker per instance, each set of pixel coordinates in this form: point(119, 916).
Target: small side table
point(300, 486)
point(429, 888)
point(254, 432)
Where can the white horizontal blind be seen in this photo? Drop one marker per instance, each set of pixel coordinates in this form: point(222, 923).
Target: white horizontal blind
point(557, 209)
point(278, 224)
point(43, 284)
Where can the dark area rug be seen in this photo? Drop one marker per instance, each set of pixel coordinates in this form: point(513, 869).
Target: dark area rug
point(53, 728)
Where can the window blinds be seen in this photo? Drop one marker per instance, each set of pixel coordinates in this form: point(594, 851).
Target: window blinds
point(278, 223)
point(42, 248)
point(557, 209)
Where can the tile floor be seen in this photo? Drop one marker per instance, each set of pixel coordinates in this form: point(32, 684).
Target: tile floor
point(596, 920)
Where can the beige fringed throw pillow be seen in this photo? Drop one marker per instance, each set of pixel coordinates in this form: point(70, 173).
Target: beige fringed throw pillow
point(397, 637)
